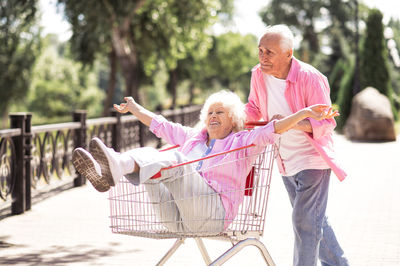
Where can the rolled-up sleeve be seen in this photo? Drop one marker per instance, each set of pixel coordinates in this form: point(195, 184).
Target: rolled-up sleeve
point(319, 94)
point(262, 136)
point(173, 133)
point(252, 108)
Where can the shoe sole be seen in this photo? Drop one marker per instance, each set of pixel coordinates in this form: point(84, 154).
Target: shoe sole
point(84, 165)
point(99, 155)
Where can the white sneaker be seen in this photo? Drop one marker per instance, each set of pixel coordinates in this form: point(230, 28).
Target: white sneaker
point(107, 158)
point(87, 166)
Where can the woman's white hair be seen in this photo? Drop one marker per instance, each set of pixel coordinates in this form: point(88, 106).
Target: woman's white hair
point(233, 105)
point(285, 33)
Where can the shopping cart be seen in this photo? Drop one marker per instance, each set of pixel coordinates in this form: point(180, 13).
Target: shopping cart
point(148, 211)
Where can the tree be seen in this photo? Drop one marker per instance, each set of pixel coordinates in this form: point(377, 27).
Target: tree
point(19, 46)
point(374, 58)
point(336, 62)
point(227, 65)
point(314, 21)
point(301, 16)
point(60, 86)
point(374, 67)
point(140, 32)
point(345, 94)
point(198, 50)
point(394, 25)
point(231, 60)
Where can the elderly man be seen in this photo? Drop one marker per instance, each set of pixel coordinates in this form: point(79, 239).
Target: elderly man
point(280, 86)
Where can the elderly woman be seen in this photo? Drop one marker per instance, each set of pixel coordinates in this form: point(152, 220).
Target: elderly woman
point(223, 117)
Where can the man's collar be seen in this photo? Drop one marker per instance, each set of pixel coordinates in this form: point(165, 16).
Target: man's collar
point(294, 70)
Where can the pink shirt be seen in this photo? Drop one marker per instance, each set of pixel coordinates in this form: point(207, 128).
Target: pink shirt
point(219, 178)
point(305, 86)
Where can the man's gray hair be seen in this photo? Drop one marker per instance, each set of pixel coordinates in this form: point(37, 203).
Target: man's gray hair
point(286, 34)
point(231, 102)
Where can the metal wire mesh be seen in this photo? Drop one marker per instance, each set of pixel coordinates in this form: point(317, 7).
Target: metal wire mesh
point(134, 210)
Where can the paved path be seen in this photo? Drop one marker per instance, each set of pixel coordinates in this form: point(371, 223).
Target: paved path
point(71, 228)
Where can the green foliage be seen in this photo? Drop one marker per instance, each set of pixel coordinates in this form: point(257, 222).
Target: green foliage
point(303, 16)
point(326, 28)
point(230, 61)
point(142, 32)
point(155, 95)
point(171, 30)
point(394, 24)
point(61, 86)
point(299, 15)
point(340, 49)
point(336, 63)
point(374, 65)
point(227, 65)
point(335, 78)
point(19, 46)
point(345, 95)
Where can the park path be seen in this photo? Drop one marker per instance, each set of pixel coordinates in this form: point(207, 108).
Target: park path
point(71, 228)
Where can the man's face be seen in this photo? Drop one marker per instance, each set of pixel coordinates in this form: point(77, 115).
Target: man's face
point(272, 59)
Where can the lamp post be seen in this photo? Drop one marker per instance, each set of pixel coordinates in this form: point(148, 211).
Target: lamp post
point(356, 85)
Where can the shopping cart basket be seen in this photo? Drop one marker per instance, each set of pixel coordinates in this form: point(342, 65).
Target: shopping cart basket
point(148, 210)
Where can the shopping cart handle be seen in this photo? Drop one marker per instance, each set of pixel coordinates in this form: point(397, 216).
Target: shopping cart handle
point(251, 124)
point(170, 148)
point(157, 175)
point(248, 125)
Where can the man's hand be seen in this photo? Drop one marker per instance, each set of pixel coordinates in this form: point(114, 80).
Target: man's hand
point(277, 116)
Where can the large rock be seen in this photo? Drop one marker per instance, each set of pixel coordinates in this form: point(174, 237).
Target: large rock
point(371, 117)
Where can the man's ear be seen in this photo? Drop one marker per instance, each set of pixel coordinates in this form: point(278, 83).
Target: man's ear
point(290, 53)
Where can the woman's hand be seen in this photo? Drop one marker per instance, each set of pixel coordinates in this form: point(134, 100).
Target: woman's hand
point(129, 106)
point(321, 111)
point(145, 116)
point(317, 111)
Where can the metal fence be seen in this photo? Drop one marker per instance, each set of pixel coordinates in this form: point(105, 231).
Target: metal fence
point(34, 159)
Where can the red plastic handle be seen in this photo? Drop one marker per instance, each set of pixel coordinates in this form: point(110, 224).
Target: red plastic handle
point(251, 124)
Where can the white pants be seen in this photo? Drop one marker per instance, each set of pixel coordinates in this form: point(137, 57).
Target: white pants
point(182, 199)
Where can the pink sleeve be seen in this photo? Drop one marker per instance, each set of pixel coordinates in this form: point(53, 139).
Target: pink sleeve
point(173, 133)
point(261, 136)
point(319, 94)
point(252, 108)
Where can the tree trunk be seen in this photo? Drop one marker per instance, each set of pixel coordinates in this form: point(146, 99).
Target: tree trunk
point(172, 84)
point(130, 71)
point(4, 119)
point(191, 93)
point(127, 56)
point(111, 83)
point(311, 36)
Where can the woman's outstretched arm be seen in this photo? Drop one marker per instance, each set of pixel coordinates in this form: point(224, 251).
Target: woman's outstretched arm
point(317, 112)
point(145, 116)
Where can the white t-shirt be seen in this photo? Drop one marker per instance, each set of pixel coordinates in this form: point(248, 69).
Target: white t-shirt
point(197, 152)
point(295, 150)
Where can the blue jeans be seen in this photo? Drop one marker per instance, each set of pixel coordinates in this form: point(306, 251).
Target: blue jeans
point(314, 237)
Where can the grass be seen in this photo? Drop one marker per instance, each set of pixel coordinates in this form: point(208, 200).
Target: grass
point(397, 127)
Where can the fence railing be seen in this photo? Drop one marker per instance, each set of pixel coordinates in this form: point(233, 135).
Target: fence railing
point(34, 158)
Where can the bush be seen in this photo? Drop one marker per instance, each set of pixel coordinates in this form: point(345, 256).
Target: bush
point(345, 96)
point(61, 86)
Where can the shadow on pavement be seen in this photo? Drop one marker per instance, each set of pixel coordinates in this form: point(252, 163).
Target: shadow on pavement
point(60, 255)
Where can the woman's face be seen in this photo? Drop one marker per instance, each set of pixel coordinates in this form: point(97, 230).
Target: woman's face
point(218, 123)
